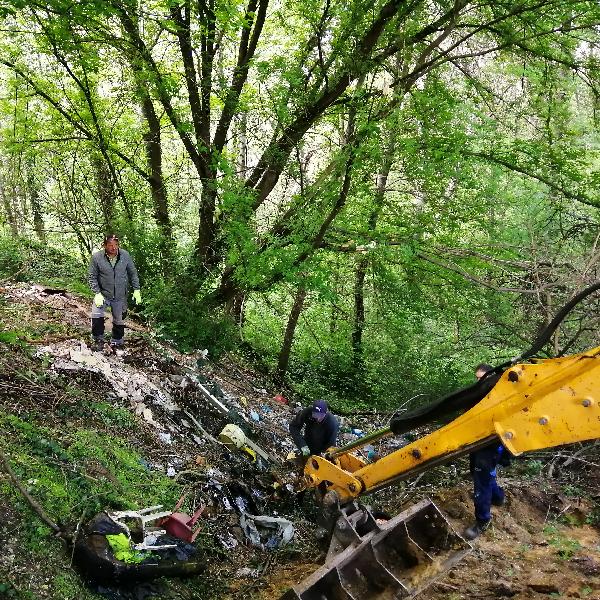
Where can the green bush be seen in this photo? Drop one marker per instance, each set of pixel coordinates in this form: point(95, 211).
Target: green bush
point(29, 260)
point(186, 323)
point(12, 256)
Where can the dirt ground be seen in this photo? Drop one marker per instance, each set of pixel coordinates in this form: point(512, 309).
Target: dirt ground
point(544, 543)
point(538, 547)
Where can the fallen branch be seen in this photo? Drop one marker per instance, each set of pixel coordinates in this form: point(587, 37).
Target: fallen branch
point(32, 502)
point(579, 459)
point(574, 456)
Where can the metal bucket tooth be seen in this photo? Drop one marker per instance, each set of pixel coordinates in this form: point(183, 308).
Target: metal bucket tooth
point(329, 587)
point(366, 578)
point(419, 547)
point(388, 562)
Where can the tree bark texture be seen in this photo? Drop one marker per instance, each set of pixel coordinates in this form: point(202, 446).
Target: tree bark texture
point(364, 261)
point(35, 203)
point(106, 192)
point(158, 190)
point(288, 338)
point(8, 209)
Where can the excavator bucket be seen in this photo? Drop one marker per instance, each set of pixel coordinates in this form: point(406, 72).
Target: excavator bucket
point(395, 559)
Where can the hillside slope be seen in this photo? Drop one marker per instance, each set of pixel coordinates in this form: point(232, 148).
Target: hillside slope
point(85, 432)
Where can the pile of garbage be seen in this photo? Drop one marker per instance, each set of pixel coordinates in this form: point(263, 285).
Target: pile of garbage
point(236, 485)
point(225, 448)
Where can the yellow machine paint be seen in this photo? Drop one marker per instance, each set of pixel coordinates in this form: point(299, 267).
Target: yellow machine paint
point(533, 406)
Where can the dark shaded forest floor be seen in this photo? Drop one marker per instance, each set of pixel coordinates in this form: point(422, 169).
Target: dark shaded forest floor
point(86, 432)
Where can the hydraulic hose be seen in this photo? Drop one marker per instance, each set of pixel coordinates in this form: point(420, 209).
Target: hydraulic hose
point(544, 336)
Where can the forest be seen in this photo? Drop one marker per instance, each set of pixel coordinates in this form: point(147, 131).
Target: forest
point(343, 200)
point(364, 200)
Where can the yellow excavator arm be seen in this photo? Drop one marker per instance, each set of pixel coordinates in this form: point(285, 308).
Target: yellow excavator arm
point(532, 406)
point(527, 407)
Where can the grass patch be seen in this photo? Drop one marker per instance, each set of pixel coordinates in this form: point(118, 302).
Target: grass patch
point(81, 471)
point(565, 547)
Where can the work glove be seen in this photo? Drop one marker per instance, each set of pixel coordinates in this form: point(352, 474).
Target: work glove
point(137, 296)
point(305, 451)
point(98, 299)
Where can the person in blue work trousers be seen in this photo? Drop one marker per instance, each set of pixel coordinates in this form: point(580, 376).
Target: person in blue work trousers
point(111, 273)
point(314, 429)
point(486, 491)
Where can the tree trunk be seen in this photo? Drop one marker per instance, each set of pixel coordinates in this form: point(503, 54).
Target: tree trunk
point(288, 338)
point(106, 192)
point(34, 201)
point(205, 250)
point(152, 140)
point(359, 308)
point(8, 209)
point(237, 309)
point(363, 263)
point(243, 146)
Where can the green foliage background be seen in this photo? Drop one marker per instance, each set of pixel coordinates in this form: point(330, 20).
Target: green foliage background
point(429, 188)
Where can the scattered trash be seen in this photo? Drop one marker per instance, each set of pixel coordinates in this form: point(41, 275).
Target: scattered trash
point(202, 358)
point(165, 437)
point(171, 472)
point(266, 532)
point(144, 411)
point(254, 416)
point(232, 436)
point(247, 572)
point(95, 557)
point(281, 399)
point(180, 525)
point(121, 546)
point(228, 541)
point(372, 455)
point(146, 536)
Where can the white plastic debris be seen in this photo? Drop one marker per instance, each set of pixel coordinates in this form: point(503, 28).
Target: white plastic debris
point(165, 437)
point(247, 572)
point(266, 532)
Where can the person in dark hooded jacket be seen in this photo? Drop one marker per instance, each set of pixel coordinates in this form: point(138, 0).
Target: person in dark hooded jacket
point(314, 429)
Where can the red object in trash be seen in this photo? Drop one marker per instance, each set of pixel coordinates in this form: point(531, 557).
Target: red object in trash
point(180, 525)
point(281, 399)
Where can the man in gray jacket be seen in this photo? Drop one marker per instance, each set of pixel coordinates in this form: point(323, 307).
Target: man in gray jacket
point(111, 272)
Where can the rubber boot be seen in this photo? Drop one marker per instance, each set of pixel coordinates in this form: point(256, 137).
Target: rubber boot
point(98, 334)
point(470, 533)
point(118, 332)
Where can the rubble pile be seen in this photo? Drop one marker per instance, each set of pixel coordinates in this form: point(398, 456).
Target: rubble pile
point(242, 496)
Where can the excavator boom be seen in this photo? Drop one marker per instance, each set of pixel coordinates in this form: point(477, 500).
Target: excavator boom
point(531, 406)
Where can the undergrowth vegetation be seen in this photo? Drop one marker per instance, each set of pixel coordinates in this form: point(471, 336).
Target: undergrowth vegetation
point(25, 259)
point(78, 471)
point(396, 368)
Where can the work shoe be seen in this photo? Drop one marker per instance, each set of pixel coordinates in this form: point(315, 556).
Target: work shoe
point(470, 533)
